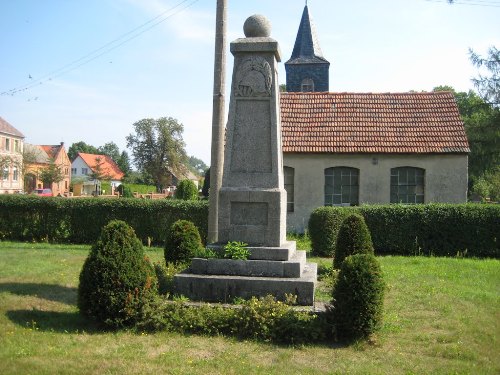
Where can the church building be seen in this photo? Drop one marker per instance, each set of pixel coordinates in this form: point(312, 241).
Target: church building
point(345, 149)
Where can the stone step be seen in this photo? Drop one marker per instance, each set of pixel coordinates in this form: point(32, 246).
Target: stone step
point(284, 252)
point(260, 268)
point(224, 288)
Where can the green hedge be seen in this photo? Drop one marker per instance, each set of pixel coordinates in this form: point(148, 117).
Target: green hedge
point(80, 220)
point(431, 229)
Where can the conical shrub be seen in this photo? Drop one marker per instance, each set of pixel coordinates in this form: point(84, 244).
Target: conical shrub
point(116, 278)
point(358, 297)
point(353, 238)
point(183, 242)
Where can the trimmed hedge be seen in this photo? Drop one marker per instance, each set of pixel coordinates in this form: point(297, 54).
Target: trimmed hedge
point(430, 229)
point(353, 238)
point(80, 220)
point(324, 224)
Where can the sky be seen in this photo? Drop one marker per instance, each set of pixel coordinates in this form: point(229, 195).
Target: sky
point(88, 70)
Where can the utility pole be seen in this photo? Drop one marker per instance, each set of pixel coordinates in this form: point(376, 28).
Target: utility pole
point(218, 119)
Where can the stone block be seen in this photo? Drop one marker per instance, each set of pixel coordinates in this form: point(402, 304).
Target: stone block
point(220, 288)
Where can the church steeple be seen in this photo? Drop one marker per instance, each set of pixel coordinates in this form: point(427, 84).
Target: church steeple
point(307, 69)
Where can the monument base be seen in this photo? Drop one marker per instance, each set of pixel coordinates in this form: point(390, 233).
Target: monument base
point(282, 271)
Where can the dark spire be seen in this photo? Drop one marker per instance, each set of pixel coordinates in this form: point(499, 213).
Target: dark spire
point(306, 48)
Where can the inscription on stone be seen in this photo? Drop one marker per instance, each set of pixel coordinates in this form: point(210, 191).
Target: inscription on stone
point(251, 148)
point(249, 213)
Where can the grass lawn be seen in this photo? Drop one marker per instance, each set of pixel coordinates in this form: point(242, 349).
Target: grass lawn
point(442, 317)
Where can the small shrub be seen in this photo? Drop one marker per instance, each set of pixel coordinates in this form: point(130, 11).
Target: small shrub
point(116, 278)
point(258, 318)
point(358, 296)
point(207, 253)
point(165, 274)
point(353, 238)
point(324, 225)
point(183, 242)
point(186, 190)
point(236, 250)
point(125, 191)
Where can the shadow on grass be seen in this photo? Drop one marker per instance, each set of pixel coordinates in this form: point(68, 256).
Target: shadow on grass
point(51, 292)
point(54, 321)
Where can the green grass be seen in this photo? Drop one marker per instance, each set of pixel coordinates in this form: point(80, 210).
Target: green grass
point(442, 317)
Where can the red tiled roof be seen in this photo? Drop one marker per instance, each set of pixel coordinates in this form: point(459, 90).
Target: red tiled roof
point(51, 150)
point(108, 166)
point(372, 123)
point(7, 128)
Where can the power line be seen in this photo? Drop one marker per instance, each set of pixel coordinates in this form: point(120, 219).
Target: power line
point(104, 49)
point(483, 3)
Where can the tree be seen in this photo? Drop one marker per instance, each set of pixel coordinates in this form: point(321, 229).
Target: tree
point(157, 148)
point(482, 125)
point(121, 159)
point(52, 174)
point(124, 163)
point(206, 184)
point(97, 170)
point(196, 165)
point(488, 86)
point(81, 146)
point(110, 149)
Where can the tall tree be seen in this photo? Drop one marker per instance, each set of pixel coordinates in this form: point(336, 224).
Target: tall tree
point(482, 125)
point(81, 146)
point(110, 149)
point(157, 148)
point(196, 165)
point(488, 85)
point(124, 163)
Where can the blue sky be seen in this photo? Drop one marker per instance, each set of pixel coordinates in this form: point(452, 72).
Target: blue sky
point(373, 46)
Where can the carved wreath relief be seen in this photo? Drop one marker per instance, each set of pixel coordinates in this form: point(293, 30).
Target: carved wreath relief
point(254, 78)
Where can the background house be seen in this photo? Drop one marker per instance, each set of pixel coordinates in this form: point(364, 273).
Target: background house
point(42, 157)
point(356, 148)
point(11, 158)
point(90, 169)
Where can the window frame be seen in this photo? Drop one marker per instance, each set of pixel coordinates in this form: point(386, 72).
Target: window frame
point(344, 187)
point(289, 187)
point(407, 185)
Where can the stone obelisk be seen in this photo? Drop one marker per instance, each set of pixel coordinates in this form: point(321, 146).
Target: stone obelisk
point(252, 199)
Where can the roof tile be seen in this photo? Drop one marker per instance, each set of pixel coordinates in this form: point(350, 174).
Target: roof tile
point(372, 122)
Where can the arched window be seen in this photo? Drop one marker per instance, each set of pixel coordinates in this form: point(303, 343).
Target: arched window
point(289, 175)
point(407, 185)
point(341, 186)
point(307, 85)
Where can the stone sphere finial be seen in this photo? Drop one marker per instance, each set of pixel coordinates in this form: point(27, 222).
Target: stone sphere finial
point(257, 26)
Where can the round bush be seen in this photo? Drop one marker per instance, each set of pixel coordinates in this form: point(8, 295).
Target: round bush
point(186, 190)
point(353, 238)
point(358, 297)
point(323, 228)
point(116, 278)
point(183, 242)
